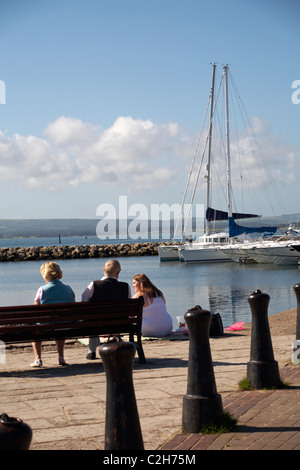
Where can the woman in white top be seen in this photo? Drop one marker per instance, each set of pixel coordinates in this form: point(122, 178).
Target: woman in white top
point(156, 320)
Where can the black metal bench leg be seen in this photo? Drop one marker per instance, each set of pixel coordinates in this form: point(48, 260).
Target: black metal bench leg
point(139, 347)
point(140, 350)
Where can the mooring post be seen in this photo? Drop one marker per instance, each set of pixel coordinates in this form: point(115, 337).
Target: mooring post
point(14, 433)
point(297, 292)
point(201, 404)
point(122, 425)
point(296, 343)
point(262, 369)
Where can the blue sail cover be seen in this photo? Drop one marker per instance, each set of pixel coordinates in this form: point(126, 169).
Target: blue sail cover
point(235, 229)
point(215, 214)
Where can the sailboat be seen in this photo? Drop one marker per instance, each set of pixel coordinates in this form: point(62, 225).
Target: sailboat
point(169, 251)
point(215, 247)
point(184, 249)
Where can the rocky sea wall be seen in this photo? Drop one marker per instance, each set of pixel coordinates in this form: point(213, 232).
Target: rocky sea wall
point(44, 253)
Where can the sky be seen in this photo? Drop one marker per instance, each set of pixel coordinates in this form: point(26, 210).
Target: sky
point(101, 99)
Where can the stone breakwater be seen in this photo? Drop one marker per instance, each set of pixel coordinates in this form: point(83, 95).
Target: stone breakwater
point(44, 253)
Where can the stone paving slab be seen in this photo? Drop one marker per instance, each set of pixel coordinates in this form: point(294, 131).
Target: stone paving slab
point(65, 407)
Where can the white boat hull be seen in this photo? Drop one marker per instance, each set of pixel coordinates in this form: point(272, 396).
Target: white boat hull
point(280, 253)
point(203, 255)
point(286, 256)
point(259, 255)
point(237, 254)
point(168, 252)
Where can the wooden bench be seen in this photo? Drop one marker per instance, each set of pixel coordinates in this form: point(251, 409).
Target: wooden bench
point(27, 323)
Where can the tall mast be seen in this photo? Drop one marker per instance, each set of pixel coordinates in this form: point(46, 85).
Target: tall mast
point(228, 170)
point(208, 181)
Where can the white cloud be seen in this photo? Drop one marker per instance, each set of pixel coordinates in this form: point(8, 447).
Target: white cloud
point(69, 131)
point(32, 162)
point(132, 155)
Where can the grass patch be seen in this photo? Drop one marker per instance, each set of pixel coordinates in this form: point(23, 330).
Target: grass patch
point(245, 384)
point(227, 424)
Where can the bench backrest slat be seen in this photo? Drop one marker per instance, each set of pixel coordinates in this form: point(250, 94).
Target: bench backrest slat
point(67, 317)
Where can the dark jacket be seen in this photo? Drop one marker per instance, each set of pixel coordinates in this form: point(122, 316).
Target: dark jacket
point(110, 289)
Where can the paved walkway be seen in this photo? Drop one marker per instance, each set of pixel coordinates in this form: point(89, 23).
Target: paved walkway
point(267, 420)
point(65, 407)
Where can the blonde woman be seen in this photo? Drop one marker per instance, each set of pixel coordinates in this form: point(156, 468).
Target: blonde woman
point(54, 291)
point(156, 320)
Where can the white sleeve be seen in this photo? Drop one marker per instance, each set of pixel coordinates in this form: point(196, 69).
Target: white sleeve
point(87, 294)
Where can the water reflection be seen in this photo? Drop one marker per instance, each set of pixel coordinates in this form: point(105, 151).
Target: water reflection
point(225, 288)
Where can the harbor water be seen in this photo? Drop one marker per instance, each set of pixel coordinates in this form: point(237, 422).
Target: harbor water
point(218, 287)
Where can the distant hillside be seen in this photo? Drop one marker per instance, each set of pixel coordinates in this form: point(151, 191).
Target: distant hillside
point(26, 228)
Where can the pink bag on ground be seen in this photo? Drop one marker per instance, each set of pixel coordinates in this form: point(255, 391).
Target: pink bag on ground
point(235, 326)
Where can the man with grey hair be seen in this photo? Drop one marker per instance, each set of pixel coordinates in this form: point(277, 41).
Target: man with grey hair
point(109, 288)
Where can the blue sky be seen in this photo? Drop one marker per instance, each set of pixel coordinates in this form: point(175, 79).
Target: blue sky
point(106, 98)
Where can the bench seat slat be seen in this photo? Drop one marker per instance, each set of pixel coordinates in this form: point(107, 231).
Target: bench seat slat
point(63, 334)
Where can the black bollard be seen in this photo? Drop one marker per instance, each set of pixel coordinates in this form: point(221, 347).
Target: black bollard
point(14, 433)
point(202, 404)
point(296, 343)
point(262, 370)
point(297, 292)
point(122, 425)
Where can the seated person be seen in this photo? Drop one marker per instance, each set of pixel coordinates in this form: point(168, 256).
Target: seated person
point(156, 320)
point(109, 288)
